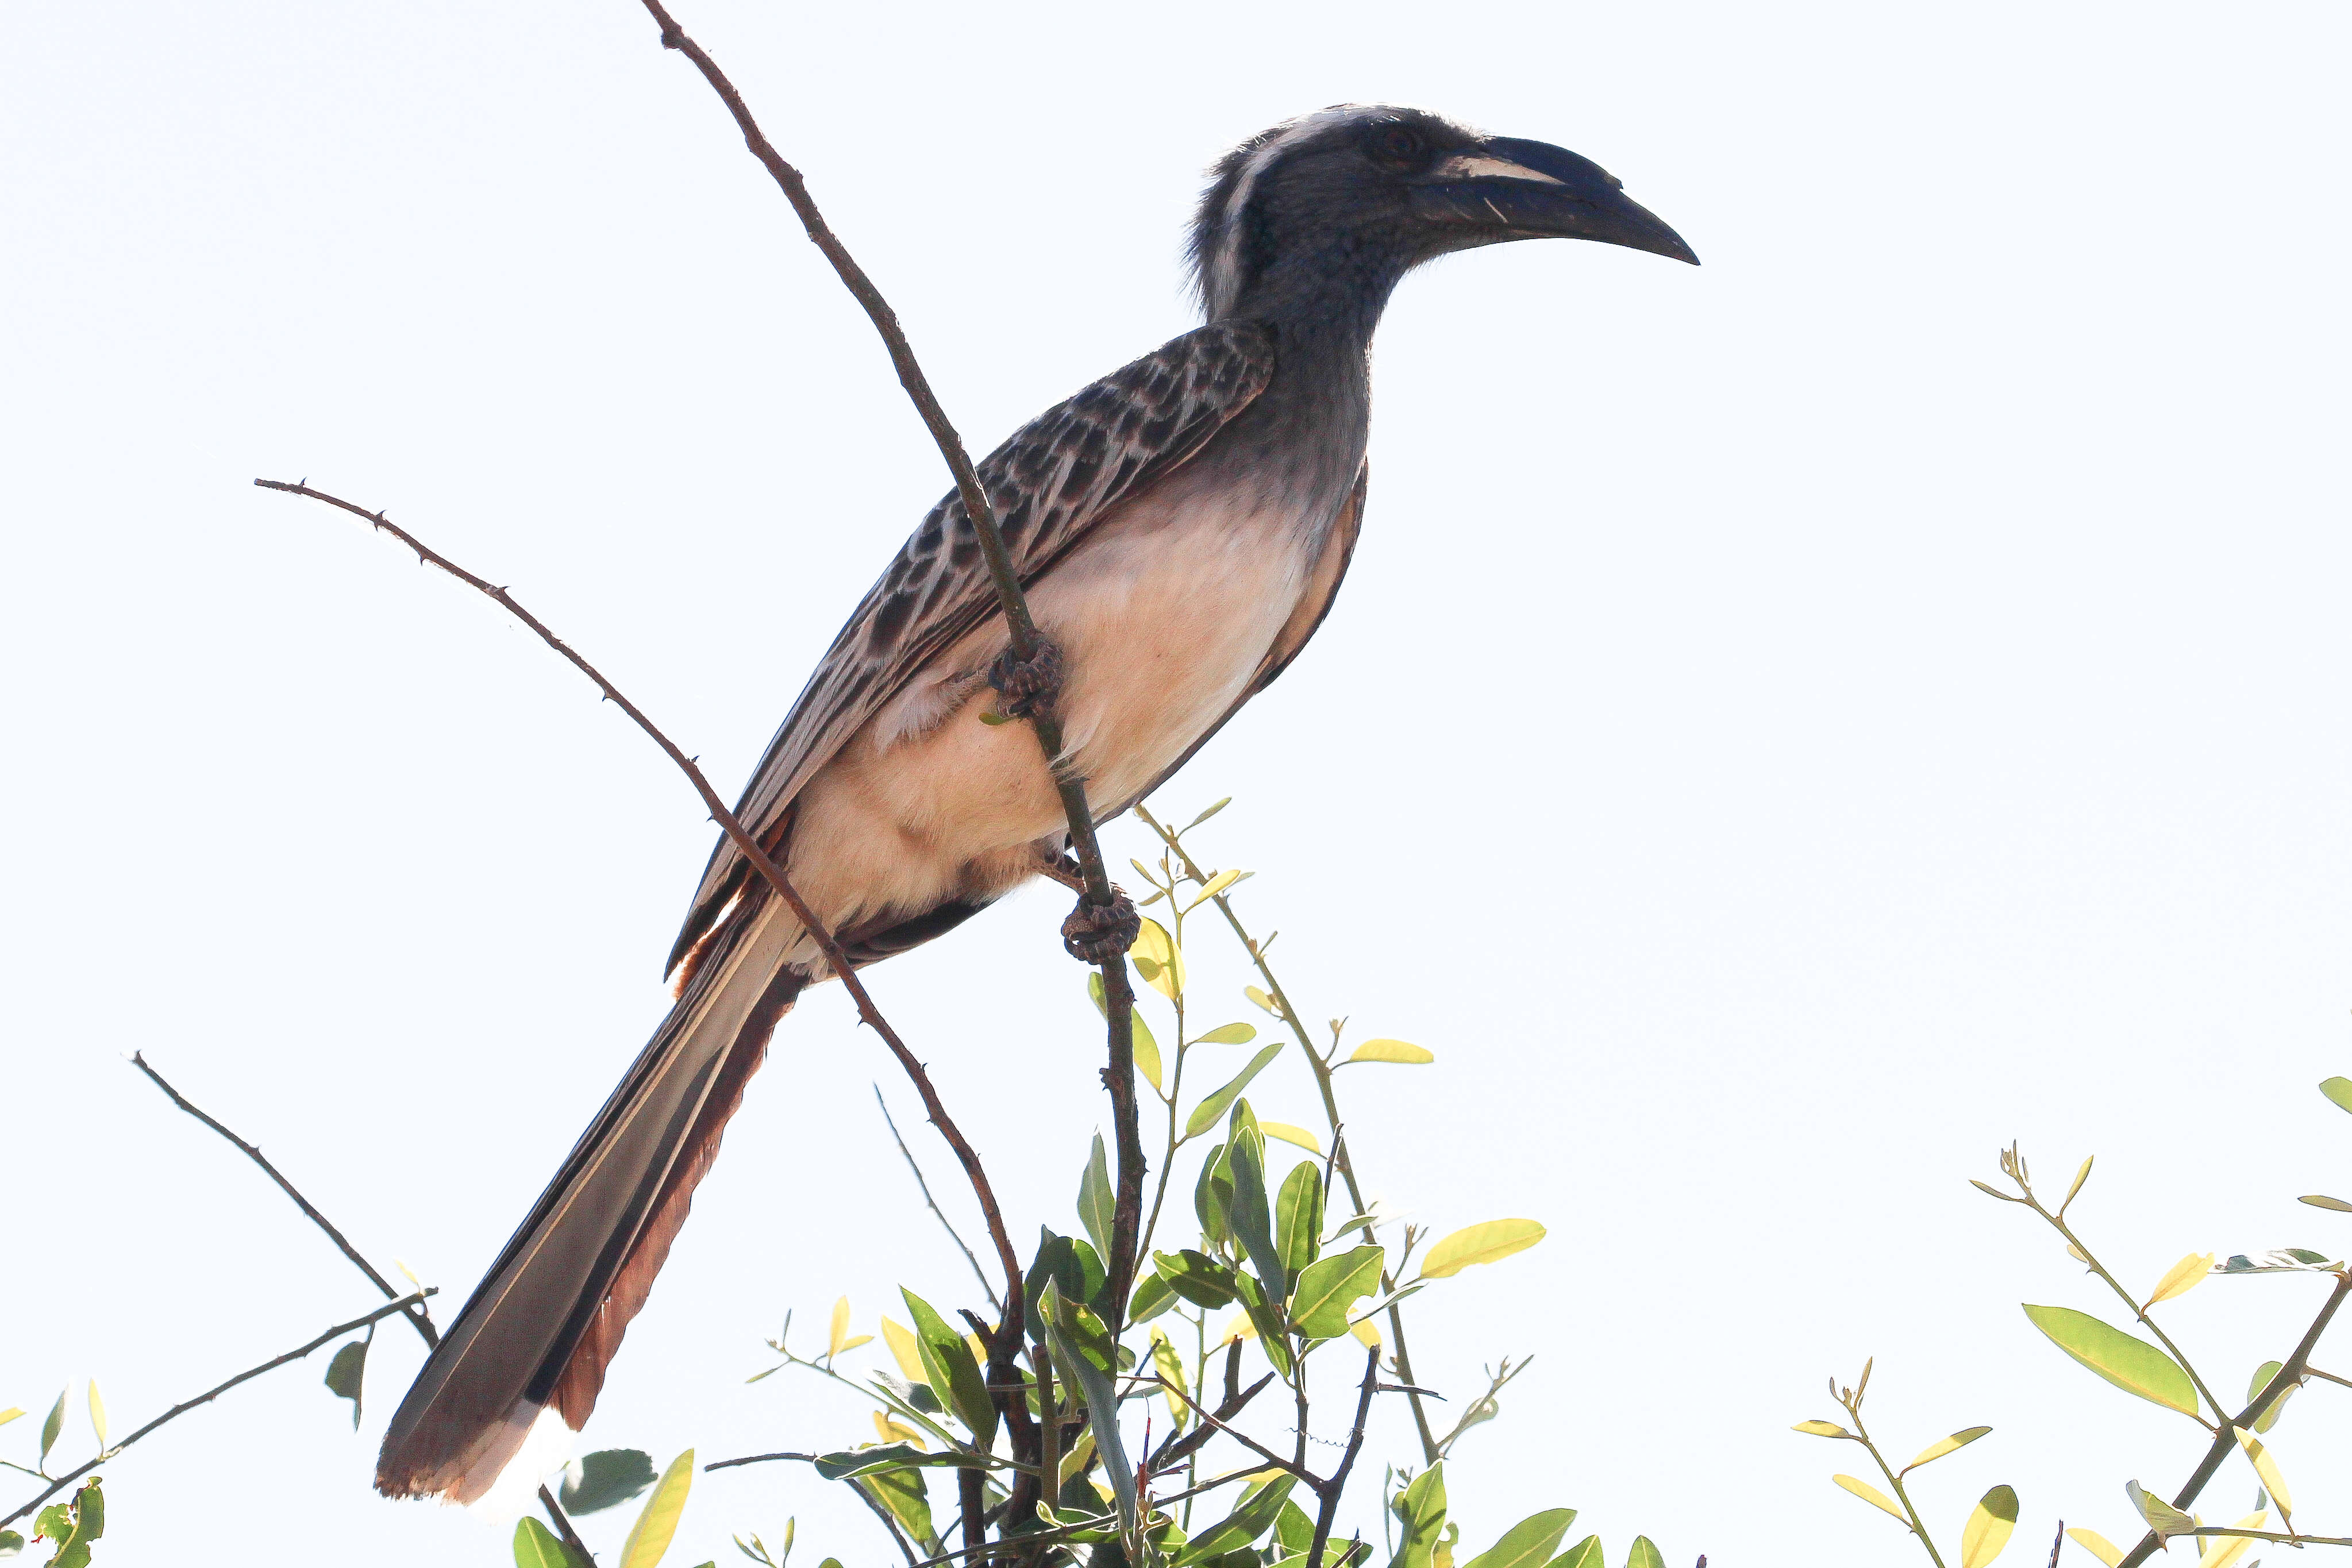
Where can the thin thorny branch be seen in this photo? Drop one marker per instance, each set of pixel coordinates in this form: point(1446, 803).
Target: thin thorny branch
point(751, 851)
point(1118, 995)
point(59, 1483)
point(420, 1320)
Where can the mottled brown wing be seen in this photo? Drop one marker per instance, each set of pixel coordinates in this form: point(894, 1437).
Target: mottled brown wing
point(1050, 484)
point(1314, 605)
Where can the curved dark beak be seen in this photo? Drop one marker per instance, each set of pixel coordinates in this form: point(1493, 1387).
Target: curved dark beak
point(1531, 189)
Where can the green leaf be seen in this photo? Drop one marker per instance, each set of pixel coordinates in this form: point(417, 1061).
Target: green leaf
point(901, 1492)
point(11, 1543)
point(1211, 1111)
point(1251, 1221)
point(1529, 1544)
point(1212, 1196)
point(1585, 1554)
point(2339, 1089)
point(1421, 1519)
point(605, 1478)
point(1229, 1034)
point(1328, 1289)
point(1153, 1296)
point(2131, 1365)
point(1395, 1050)
point(2318, 1200)
point(1197, 1277)
point(1942, 1445)
point(52, 1426)
point(1067, 1331)
point(1095, 1199)
point(73, 1526)
point(1265, 1316)
point(1644, 1554)
point(650, 1536)
point(1298, 1216)
point(1252, 1516)
point(851, 1463)
point(954, 1370)
point(2263, 1375)
point(1294, 1532)
point(1988, 1528)
point(345, 1372)
point(1483, 1243)
point(536, 1546)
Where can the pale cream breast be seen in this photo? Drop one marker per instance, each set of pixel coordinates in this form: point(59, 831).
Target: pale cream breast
point(1164, 617)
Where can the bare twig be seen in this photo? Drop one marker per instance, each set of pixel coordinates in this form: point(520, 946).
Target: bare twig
point(1244, 1438)
point(1119, 995)
point(2226, 1439)
point(751, 851)
point(59, 1483)
point(1180, 1445)
point(933, 1204)
point(2057, 1544)
point(421, 1320)
point(1330, 1490)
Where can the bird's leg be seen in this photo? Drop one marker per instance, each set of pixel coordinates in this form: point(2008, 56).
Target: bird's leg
point(1097, 933)
point(1027, 685)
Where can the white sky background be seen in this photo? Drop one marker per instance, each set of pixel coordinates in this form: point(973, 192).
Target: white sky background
point(1793, 725)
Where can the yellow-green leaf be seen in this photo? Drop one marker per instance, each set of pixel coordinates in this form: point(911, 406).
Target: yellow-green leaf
point(2080, 1178)
point(896, 1432)
point(905, 1350)
point(1585, 1554)
point(1872, 1496)
point(2320, 1201)
point(1391, 1050)
point(1222, 880)
point(854, 1341)
point(836, 1339)
point(1259, 996)
point(2162, 1517)
point(2339, 1089)
point(650, 1536)
point(2182, 1278)
point(2098, 1546)
point(1485, 1243)
point(1147, 1049)
point(1170, 1367)
point(1290, 1135)
point(1367, 1332)
point(1988, 1528)
point(2263, 1375)
point(2131, 1365)
point(10, 1414)
point(1644, 1555)
point(97, 1418)
point(1529, 1544)
point(1821, 1429)
point(2266, 1468)
point(1166, 975)
point(2222, 1550)
point(1229, 1034)
point(1942, 1445)
point(535, 1546)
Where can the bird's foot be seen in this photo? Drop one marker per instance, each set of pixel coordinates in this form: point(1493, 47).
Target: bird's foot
point(1096, 934)
point(1027, 685)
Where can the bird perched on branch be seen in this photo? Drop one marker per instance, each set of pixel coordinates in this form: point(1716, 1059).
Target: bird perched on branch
point(1180, 528)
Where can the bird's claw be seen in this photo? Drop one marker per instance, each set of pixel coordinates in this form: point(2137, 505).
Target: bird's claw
point(1096, 934)
point(1027, 685)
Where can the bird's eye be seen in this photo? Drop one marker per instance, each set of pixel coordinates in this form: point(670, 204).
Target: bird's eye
point(1398, 146)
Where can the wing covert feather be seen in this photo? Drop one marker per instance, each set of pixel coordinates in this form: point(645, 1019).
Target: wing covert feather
point(1050, 482)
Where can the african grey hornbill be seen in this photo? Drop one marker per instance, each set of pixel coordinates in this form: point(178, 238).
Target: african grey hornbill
point(1180, 528)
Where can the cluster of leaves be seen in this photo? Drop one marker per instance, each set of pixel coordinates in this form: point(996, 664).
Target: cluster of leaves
point(2161, 1373)
point(68, 1526)
point(1289, 1262)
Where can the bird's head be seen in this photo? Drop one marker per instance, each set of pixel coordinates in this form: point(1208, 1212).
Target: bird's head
point(1355, 196)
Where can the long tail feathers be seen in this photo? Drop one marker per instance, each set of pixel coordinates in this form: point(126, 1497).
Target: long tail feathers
point(548, 1317)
